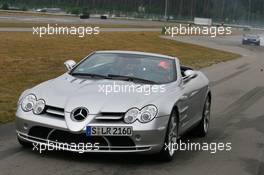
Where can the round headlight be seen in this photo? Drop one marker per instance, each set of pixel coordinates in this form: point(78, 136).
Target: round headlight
point(148, 113)
point(39, 107)
point(131, 115)
point(28, 102)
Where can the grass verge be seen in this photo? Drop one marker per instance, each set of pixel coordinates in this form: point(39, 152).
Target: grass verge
point(26, 60)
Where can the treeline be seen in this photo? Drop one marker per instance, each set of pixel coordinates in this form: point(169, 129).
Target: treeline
point(219, 10)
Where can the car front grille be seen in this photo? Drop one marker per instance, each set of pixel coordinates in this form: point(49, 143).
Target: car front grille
point(110, 116)
point(54, 111)
point(103, 116)
point(70, 138)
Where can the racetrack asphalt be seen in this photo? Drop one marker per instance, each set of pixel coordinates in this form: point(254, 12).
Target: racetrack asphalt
point(237, 117)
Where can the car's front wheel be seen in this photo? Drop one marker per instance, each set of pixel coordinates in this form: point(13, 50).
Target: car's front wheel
point(168, 151)
point(202, 128)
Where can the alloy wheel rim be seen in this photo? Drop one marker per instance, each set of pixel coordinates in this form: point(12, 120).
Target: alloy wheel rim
point(172, 137)
point(206, 115)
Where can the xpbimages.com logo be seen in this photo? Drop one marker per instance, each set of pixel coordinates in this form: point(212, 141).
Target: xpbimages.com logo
point(212, 147)
point(211, 31)
point(131, 88)
point(57, 146)
point(65, 30)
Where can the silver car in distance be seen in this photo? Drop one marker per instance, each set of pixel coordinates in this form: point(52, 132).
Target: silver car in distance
point(89, 104)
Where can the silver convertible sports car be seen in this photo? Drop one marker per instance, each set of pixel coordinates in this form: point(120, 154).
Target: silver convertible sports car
point(116, 101)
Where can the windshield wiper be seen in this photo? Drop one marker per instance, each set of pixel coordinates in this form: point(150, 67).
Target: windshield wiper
point(129, 78)
point(119, 77)
point(91, 75)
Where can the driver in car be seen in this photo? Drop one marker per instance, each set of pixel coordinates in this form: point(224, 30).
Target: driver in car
point(129, 67)
point(163, 70)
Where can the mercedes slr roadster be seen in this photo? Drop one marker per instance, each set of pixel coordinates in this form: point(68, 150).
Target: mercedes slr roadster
point(251, 39)
point(116, 101)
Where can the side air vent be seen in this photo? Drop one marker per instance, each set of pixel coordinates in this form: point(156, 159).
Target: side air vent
point(110, 116)
point(55, 111)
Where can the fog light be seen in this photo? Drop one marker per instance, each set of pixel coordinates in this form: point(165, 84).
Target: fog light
point(138, 137)
point(25, 126)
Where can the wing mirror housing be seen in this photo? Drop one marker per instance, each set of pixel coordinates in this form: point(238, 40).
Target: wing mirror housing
point(69, 64)
point(189, 74)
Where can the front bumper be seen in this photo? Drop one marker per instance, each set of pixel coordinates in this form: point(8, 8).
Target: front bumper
point(255, 42)
point(146, 138)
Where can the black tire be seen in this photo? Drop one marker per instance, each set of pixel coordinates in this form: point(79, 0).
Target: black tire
point(24, 143)
point(202, 129)
point(167, 153)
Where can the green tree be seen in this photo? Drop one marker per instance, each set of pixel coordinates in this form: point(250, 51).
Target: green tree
point(75, 11)
point(85, 10)
point(24, 8)
point(5, 6)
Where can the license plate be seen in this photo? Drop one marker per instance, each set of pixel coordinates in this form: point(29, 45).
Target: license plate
point(109, 131)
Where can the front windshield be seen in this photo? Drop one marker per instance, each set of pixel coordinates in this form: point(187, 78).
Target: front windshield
point(252, 36)
point(151, 68)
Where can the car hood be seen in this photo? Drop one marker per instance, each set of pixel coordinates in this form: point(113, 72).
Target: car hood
point(69, 92)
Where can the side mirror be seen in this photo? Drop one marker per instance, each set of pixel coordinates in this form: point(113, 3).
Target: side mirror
point(69, 64)
point(189, 74)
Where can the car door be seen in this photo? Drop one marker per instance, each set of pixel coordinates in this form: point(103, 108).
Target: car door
point(190, 103)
